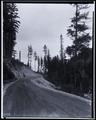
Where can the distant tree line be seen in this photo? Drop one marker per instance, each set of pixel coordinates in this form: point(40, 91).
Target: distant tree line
point(33, 58)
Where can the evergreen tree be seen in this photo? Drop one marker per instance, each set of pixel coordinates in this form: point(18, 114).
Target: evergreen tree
point(61, 48)
point(45, 50)
point(80, 36)
point(38, 64)
point(48, 63)
point(19, 55)
point(93, 26)
point(10, 28)
point(30, 52)
point(41, 63)
point(35, 58)
point(78, 30)
point(48, 56)
point(45, 58)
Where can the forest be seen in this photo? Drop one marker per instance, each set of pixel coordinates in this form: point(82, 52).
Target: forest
point(73, 74)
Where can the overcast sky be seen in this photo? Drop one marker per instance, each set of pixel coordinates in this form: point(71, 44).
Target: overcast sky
point(42, 24)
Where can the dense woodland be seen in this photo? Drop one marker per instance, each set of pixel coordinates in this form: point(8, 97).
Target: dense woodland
point(72, 75)
point(10, 28)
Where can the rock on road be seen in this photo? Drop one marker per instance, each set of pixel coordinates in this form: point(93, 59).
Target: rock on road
point(25, 98)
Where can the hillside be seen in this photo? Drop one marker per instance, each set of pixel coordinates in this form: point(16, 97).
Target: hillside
point(31, 95)
point(19, 70)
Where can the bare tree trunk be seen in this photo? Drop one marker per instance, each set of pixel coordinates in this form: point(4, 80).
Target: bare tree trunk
point(76, 29)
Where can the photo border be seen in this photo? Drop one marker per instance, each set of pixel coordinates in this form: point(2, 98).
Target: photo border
point(93, 51)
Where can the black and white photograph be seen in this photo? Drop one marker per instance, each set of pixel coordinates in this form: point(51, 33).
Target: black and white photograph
point(47, 60)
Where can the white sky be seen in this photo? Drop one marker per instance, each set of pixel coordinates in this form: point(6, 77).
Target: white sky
point(42, 24)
